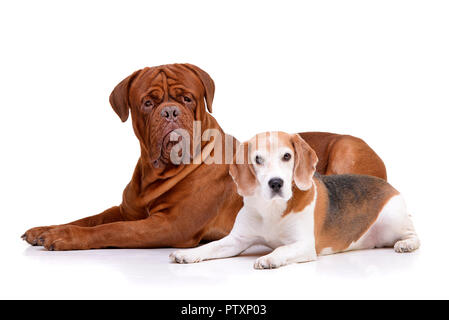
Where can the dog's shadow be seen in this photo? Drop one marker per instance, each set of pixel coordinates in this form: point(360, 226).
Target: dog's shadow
point(147, 265)
point(152, 266)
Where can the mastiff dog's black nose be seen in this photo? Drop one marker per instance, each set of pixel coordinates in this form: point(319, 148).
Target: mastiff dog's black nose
point(170, 113)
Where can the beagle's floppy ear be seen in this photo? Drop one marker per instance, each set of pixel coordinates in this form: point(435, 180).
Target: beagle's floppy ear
point(305, 163)
point(242, 171)
point(207, 81)
point(119, 98)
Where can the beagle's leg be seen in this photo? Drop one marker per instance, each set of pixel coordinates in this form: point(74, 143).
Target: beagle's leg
point(409, 244)
point(399, 222)
point(240, 239)
point(408, 241)
point(292, 253)
point(229, 246)
point(394, 228)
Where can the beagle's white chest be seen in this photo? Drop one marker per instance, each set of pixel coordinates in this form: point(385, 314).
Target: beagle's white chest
point(275, 228)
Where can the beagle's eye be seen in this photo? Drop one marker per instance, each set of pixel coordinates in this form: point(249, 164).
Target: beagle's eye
point(287, 156)
point(259, 160)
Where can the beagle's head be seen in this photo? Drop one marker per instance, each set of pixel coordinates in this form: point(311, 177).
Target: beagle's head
point(271, 163)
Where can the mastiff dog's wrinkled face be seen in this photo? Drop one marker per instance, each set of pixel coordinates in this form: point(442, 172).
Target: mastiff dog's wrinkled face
point(163, 99)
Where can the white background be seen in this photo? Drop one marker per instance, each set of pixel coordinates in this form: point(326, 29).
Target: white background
point(375, 69)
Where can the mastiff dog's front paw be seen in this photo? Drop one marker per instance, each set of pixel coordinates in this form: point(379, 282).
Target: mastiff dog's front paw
point(32, 235)
point(63, 238)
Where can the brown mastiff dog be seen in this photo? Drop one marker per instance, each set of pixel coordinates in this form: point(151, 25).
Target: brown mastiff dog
point(179, 205)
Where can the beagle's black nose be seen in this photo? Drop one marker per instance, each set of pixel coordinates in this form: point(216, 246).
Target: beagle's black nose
point(170, 113)
point(276, 184)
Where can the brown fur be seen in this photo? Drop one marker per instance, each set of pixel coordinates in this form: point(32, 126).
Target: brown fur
point(165, 205)
point(299, 200)
point(341, 154)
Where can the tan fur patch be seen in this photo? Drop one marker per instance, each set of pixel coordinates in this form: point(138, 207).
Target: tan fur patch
point(321, 241)
point(299, 200)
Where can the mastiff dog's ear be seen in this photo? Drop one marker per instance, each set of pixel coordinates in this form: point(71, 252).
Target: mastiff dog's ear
point(208, 84)
point(119, 98)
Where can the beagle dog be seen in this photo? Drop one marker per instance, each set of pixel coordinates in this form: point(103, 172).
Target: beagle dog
point(301, 214)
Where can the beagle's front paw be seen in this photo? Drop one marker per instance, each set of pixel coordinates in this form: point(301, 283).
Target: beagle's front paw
point(185, 256)
point(268, 262)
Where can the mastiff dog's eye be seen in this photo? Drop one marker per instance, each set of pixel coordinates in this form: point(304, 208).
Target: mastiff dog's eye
point(148, 104)
point(186, 99)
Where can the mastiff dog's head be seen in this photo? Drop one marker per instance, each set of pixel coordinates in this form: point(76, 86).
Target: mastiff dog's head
point(163, 101)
